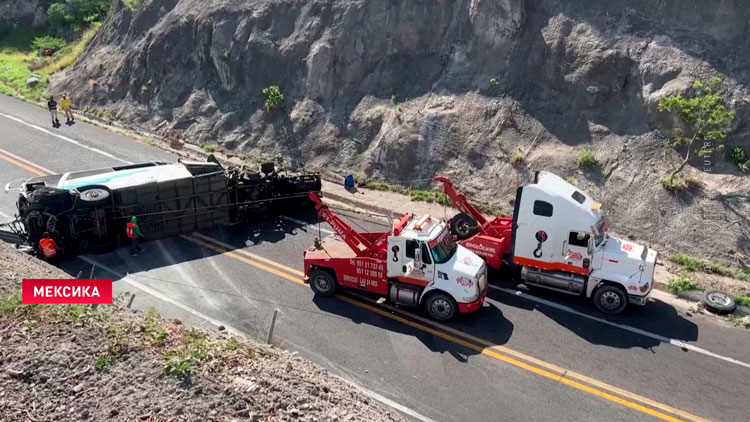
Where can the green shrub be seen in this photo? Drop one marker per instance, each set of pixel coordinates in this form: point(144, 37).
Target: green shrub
point(44, 42)
point(57, 14)
point(678, 183)
point(89, 11)
point(274, 97)
point(134, 4)
point(682, 282)
point(572, 181)
point(399, 108)
point(586, 159)
point(517, 158)
point(209, 147)
point(737, 156)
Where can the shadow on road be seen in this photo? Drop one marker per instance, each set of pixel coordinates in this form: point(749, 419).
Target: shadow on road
point(178, 250)
point(656, 317)
point(489, 316)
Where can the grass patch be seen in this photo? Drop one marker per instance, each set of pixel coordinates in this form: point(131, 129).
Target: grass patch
point(692, 263)
point(423, 195)
point(742, 300)
point(572, 180)
point(586, 159)
point(181, 360)
point(681, 283)
point(19, 61)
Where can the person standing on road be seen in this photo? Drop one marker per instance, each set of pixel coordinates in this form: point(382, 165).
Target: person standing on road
point(134, 232)
point(66, 106)
point(52, 107)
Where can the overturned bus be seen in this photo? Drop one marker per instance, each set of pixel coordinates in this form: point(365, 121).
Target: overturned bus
point(87, 211)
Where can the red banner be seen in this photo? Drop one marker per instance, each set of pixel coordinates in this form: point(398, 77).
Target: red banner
point(67, 291)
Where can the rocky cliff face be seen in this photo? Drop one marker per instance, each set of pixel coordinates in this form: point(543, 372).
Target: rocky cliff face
point(408, 89)
point(16, 14)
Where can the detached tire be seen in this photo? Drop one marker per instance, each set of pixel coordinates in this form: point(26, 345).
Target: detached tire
point(323, 283)
point(464, 226)
point(718, 302)
point(610, 299)
point(441, 307)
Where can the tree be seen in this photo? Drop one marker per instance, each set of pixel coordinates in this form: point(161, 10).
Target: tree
point(57, 15)
point(274, 97)
point(704, 117)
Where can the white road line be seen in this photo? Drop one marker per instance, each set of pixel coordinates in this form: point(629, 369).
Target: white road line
point(163, 297)
point(674, 342)
point(235, 331)
point(25, 161)
point(64, 138)
point(375, 396)
point(306, 224)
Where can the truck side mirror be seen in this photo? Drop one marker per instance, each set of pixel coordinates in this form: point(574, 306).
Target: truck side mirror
point(590, 247)
point(418, 257)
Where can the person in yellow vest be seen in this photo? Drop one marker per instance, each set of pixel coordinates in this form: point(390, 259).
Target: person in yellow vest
point(67, 107)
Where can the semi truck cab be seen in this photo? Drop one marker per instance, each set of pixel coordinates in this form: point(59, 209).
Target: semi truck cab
point(560, 241)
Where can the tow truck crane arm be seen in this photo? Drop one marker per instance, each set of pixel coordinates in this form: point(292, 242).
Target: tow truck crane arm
point(459, 199)
point(361, 245)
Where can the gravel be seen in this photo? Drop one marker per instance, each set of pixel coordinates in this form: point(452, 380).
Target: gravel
point(49, 371)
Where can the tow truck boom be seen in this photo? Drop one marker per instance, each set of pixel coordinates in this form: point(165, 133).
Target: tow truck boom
point(361, 244)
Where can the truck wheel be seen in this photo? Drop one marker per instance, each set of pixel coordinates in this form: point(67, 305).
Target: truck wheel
point(323, 283)
point(441, 307)
point(464, 226)
point(94, 195)
point(610, 299)
point(718, 302)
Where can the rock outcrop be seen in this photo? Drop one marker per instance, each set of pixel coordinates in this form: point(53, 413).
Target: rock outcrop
point(406, 90)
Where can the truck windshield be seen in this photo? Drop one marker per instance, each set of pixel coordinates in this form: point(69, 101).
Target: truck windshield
point(443, 247)
point(601, 229)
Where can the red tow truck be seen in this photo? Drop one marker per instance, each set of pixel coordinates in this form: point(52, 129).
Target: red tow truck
point(557, 238)
point(416, 264)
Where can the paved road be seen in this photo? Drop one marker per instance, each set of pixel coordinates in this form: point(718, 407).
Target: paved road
point(522, 357)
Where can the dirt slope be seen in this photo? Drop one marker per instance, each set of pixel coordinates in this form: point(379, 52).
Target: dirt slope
point(406, 90)
point(50, 358)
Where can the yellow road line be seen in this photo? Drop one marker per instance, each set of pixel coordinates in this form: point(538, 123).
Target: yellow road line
point(514, 362)
point(564, 372)
point(246, 260)
point(20, 162)
point(249, 254)
point(542, 368)
point(487, 348)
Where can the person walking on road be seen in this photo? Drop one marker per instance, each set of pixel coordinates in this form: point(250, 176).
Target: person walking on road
point(134, 232)
point(66, 106)
point(52, 107)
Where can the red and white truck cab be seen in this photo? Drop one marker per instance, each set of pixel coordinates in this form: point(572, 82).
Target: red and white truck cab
point(558, 238)
point(416, 264)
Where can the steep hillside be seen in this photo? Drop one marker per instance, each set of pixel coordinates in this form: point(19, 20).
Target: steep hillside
point(406, 90)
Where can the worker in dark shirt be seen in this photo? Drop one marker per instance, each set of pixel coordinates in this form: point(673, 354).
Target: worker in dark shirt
point(52, 106)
